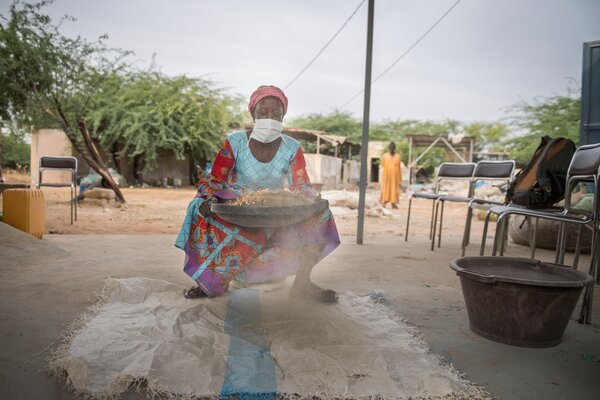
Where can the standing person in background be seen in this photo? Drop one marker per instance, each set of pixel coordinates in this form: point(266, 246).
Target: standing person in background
point(391, 177)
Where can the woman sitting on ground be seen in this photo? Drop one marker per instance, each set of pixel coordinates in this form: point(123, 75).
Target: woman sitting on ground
point(217, 251)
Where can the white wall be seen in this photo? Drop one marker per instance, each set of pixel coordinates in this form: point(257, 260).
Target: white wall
point(351, 173)
point(327, 170)
point(323, 169)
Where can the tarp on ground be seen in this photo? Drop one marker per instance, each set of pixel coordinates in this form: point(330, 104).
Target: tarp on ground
point(249, 344)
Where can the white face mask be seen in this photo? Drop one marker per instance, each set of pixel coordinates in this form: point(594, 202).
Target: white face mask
point(266, 130)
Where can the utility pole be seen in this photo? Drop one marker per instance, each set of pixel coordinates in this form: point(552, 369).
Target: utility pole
point(364, 149)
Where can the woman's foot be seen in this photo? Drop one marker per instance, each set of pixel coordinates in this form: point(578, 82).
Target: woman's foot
point(194, 293)
point(310, 291)
point(394, 205)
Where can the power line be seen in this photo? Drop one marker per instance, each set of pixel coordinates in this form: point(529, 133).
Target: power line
point(326, 45)
point(397, 60)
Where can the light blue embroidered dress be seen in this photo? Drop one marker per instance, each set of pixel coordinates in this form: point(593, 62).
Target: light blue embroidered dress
point(217, 251)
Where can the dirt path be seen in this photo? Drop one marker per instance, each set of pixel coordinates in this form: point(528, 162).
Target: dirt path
point(158, 210)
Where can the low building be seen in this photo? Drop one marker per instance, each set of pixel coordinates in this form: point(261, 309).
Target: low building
point(329, 158)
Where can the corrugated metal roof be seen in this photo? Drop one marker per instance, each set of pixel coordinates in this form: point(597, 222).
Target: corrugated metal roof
point(426, 140)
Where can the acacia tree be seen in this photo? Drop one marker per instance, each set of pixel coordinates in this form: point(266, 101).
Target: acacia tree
point(335, 123)
point(343, 123)
point(47, 79)
point(488, 135)
point(554, 116)
point(141, 113)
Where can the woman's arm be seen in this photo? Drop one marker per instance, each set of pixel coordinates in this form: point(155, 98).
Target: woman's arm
point(218, 180)
point(298, 178)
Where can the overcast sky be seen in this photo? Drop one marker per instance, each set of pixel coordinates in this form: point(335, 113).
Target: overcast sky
point(485, 56)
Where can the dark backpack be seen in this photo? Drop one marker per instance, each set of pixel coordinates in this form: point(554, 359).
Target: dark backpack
point(542, 182)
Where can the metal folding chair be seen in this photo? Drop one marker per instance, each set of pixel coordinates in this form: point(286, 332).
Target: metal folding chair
point(61, 164)
point(447, 171)
point(490, 171)
point(584, 167)
point(484, 171)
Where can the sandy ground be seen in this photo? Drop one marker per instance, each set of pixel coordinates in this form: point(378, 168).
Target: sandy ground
point(158, 210)
point(161, 211)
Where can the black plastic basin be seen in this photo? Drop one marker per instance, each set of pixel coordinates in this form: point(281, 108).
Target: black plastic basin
point(256, 216)
point(519, 301)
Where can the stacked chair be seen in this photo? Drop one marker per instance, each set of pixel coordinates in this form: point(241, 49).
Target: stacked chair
point(446, 172)
point(502, 171)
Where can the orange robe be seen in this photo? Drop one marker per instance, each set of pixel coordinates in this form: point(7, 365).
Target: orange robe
point(391, 178)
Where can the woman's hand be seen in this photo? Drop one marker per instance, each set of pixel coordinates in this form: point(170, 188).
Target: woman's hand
point(205, 206)
point(312, 194)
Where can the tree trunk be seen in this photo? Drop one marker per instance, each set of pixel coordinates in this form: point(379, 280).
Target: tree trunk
point(91, 156)
point(102, 169)
point(116, 160)
point(137, 168)
point(193, 170)
point(89, 143)
point(1, 178)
